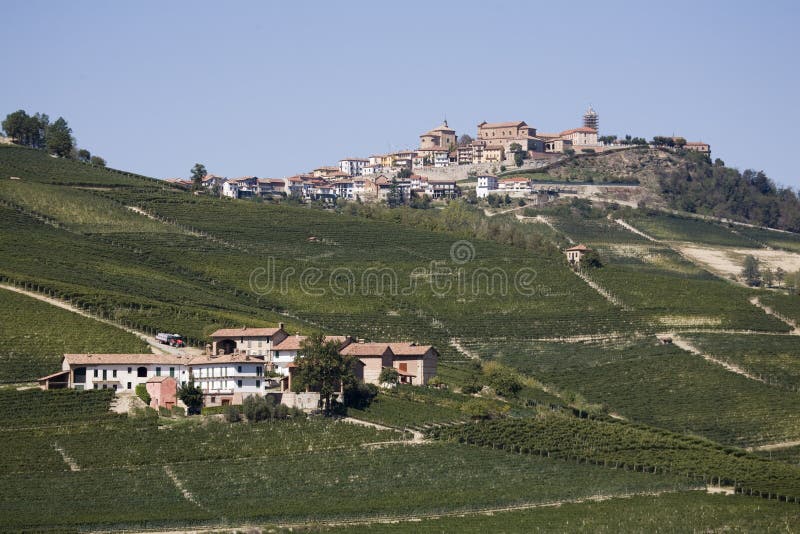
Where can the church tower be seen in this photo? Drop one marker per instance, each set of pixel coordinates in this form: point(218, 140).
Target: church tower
point(591, 119)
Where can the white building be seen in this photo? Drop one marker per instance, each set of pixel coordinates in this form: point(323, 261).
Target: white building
point(229, 378)
point(353, 166)
point(486, 186)
point(441, 158)
point(285, 352)
point(249, 341)
point(121, 372)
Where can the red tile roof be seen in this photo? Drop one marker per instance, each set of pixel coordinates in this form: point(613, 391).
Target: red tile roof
point(582, 129)
point(409, 349)
point(124, 359)
point(502, 124)
point(365, 349)
point(581, 247)
point(245, 332)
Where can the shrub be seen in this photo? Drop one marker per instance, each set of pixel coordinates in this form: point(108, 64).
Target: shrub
point(436, 382)
point(232, 414)
point(141, 392)
point(470, 389)
point(179, 411)
point(360, 395)
point(389, 375)
point(505, 382)
point(281, 412)
point(163, 411)
point(257, 408)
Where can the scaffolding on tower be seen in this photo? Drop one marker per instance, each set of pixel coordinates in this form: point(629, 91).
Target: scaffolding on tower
point(591, 119)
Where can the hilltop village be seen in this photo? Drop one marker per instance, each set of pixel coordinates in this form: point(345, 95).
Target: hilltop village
point(441, 160)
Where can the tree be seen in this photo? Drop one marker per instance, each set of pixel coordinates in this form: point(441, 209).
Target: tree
point(59, 138)
point(591, 260)
point(464, 140)
point(15, 125)
point(141, 392)
point(404, 173)
point(768, 277)
point(97, 160)
point(321, 367)
point(389, 375)
point(751, 271)
point(395, 196)
point(519, 158)
point(84, 155)
point(780, 274)
point(192, 397)
point(198, 173)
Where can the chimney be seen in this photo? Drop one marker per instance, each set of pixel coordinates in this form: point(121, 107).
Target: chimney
point(281, 325)
point(360, 340)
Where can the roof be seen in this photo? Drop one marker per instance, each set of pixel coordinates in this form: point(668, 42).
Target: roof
point(489, 125)
point(245, 332)
point(515, 179)
point(353, 159)
point(582, 129)
point(696, 143)
point(365, 349)
point(226, 358)
point(161, 378)
point(124, 359)
point(294, 342)
point(48, 377)
point(409, 349)
point(581, 248)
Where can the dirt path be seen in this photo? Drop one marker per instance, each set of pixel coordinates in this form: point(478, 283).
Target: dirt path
point(186, 493)
point(635, 230)
point(776, 446)
point(769, 311)
point(73, 465)
point(456, 344)
point(155, 346)
point(600, 289)
point(419, 437)
point(688, 347)
point(388, 519)
point(492, 214)
point(542, 219)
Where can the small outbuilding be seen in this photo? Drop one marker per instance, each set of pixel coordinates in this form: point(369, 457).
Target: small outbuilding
point(576, 253)
point(163, 391)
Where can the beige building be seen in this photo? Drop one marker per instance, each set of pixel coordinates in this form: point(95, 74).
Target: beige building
point(441, 137)
point(507, 134)
point(250, 341)
point(415, 363)
point(697, 146)
point(492, 154)
point(581, 137)
point(375, 357)
point(576, 253)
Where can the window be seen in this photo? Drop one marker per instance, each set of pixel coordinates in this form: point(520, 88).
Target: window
point(130, 370)
point(259, 370)
point(141, 372)
point(95, 373)
point(171, 371)
point(158, 371)
point(114, 373)
point(239, 369)
point(404, 367)
point(239, 383)
point(129, 385)
point(258, 383)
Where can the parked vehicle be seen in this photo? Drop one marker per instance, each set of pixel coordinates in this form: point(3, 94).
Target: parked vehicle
point(173, 340)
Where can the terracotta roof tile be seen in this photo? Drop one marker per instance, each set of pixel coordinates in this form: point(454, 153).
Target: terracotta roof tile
point(245, 332)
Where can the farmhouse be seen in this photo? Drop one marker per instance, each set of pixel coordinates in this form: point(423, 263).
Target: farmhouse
point(576, 253)
point(163, 391)
point(229, 378)
point(284, 353)
point(251, 341)
point(120, 371)
point(415, 363)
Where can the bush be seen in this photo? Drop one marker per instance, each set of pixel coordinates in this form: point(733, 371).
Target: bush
point(232, 414)
point(281, 412)
point(163, 411)
point(178, 411)
point(360, 395)
point(257, 408)
point(470, 389)
point(141, 392)
point(504, 381)
point(389, 375)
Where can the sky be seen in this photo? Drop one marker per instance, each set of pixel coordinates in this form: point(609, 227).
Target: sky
point(276, 88)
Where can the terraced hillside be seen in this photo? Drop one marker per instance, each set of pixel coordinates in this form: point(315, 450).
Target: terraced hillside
point(604, 411)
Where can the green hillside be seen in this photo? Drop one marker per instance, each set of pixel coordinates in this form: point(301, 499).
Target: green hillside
point(584, 349)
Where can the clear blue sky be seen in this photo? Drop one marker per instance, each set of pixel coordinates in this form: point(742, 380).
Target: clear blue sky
point(275, 88)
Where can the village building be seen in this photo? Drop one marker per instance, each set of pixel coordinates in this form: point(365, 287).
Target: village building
point(285, 352)
point(228, 378)
point(514, 186)
point(493, 154)
point(441, 137)
point(375, 357)
point(353, 166)
point(580, 137)
point(416, 364)
point(506, 134)
point(486, 186)
point(698, 146)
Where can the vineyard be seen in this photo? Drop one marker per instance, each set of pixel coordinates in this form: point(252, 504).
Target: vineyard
point(676, 228)
point(664, 386)
point(34, 336)
point(773, 359)
point(622, 446)
point(694, 512)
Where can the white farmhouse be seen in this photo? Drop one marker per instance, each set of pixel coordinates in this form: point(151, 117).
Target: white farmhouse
point(486, 186)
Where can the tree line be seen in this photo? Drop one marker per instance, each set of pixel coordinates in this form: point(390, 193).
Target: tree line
point(714, 189)
point(36, 131)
